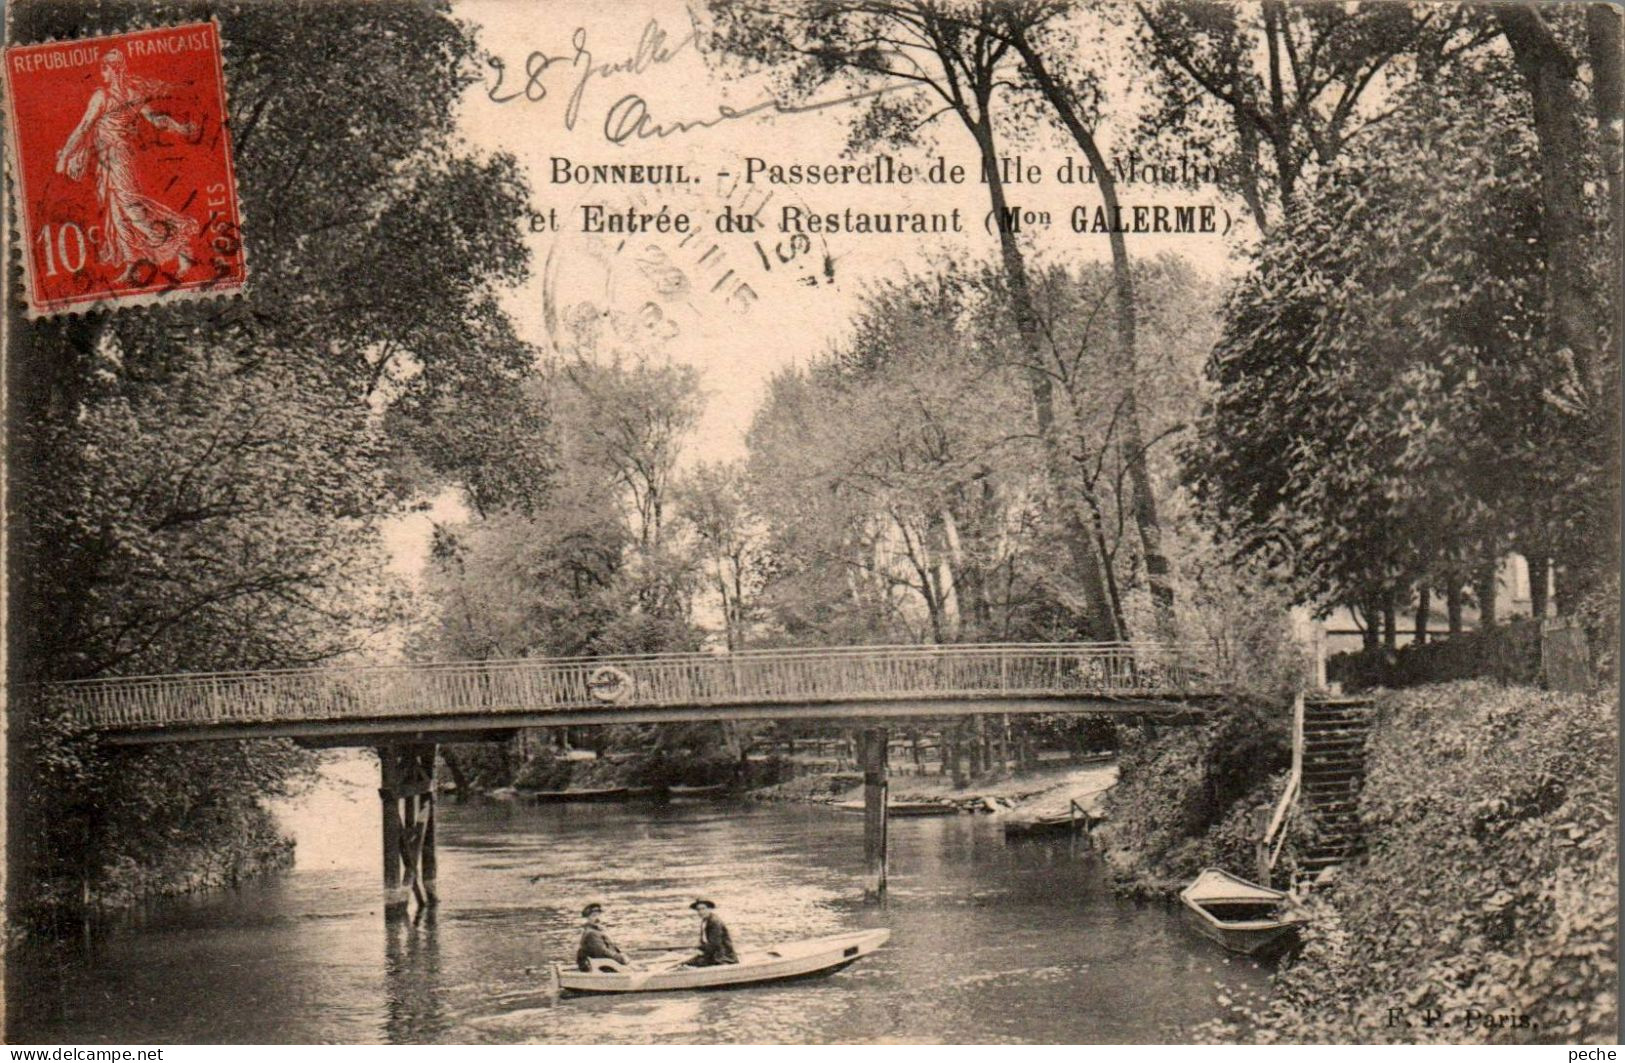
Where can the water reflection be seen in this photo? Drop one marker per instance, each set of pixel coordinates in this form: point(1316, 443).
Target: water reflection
point(990, 942)
point(414, 1011)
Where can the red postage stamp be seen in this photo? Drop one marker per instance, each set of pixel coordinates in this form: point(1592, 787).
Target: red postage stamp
point(122, 169)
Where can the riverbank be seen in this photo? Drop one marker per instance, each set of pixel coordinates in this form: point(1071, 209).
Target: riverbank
point(1487, 895)
point(1189, 797)
point(549, 773)
point(1032, 793)
point(1486, 890)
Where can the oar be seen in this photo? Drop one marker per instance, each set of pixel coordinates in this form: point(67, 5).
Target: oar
point(660, 948)
point(655, 968)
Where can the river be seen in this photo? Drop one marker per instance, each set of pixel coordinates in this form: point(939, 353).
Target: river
point(1016, 942)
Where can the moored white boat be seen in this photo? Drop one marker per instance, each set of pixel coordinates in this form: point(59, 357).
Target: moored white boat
point(1241, 916)
point(792, 959)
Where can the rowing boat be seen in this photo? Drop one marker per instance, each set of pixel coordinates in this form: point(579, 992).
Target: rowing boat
point(1239, 915)
point(716, 790)
point(906, 809)
point(606, 793)
point(793, 959)
point(1055, 823)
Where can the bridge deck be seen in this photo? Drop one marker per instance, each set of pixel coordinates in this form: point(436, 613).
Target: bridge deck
point(341, 703)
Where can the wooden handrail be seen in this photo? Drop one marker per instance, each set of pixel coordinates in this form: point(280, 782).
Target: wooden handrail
point(1274, 839)
point(841, 673)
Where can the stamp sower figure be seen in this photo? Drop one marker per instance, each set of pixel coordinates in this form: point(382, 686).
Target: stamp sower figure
point(595, 943)
point(716, 946)
point(135, 227)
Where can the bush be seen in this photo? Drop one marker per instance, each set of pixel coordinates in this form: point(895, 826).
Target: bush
point(1188, 797)
point(1489, 884)
point(1509, 653)
point(115, 825)
point(1236, 608)
point(662, 769)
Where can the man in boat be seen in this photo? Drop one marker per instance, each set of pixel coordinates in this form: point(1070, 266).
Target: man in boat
point(716, 946)
point(595, 943)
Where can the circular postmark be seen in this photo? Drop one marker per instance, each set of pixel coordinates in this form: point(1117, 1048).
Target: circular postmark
point(609, 684)
point(641, 292)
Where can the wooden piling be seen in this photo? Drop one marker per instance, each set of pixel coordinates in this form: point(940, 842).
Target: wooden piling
point(407, 800)
point(395, 898)
point(411, 847)
point(431, 863)
point(874, 812)
point(1261, 848)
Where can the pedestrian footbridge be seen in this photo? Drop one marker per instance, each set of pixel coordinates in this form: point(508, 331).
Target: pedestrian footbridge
point(406, 711)
point(462, 700)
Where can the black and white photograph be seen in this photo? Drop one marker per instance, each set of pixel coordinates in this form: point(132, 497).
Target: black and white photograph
point(811, 522)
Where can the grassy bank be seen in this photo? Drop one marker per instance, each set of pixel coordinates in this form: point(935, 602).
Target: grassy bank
point(1487, 896)
point(546, 772)
point(1050, 785)
point(108, 827)
point(1188, 795)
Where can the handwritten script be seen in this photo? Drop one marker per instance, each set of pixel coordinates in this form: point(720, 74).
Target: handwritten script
point(629, 117)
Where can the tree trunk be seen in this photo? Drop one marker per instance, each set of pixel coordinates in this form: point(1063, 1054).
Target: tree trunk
point(1484, 588)
point(1390, 623)
point(1539, 569)
point(1101, 624)
point(1424, 605)
point(1564, 600)
point(1452, 604)
point(1603, 43)
point(1603, 39)
point(1131, 445)
point(1113, 594)
point(1577, 320)
point(458, 779)
point(1551, 75)
point(1370, 621)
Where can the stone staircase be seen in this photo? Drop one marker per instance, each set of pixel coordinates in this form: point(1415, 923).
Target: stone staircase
point(1334, 736)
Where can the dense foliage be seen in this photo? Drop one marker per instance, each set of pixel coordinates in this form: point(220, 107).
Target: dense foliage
point(596, 561)
point(1489, 885)
point(903, 494)
point(1188, 796)
point(199, 486)
point(1509, 653)
point(1393, 407)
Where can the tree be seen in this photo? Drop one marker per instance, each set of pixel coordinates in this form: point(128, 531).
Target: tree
point(895, 483)
point(956, 63)
point(715, 504)
point(198, 486)
point(591, 565)
point(1582, 263)
point(903, 492)
point(1388, 412)
point(1114, 441)
point(1032, 30)
point(1276, 92)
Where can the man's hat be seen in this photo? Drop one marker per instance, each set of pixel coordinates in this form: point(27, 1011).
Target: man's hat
point(591, 910)
point(702, 901)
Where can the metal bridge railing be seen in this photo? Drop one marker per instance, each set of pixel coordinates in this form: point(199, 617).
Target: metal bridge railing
point(532, 685)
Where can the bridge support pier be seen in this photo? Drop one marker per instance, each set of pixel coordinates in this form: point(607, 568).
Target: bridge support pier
point(407, 799)
point(874, 812)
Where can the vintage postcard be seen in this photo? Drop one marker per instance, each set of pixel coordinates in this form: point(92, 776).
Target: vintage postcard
point(812, 522)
